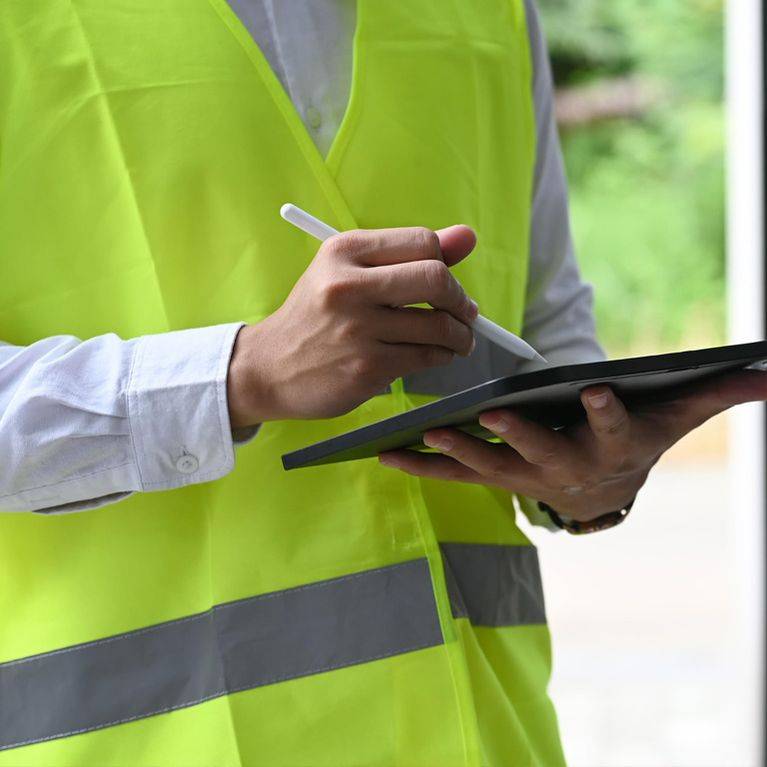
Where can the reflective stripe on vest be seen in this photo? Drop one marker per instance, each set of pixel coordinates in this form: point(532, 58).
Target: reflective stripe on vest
point(494, 585)
point(263, 640)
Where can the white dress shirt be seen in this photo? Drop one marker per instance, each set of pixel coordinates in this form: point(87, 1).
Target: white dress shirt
point(86, 423)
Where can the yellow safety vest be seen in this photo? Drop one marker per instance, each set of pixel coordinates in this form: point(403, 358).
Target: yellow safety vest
point(341, 615)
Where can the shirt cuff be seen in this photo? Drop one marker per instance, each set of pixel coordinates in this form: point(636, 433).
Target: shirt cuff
point(177, 406)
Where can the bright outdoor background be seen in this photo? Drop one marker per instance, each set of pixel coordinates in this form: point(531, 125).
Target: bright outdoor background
point(642, 124)
point(645, 618)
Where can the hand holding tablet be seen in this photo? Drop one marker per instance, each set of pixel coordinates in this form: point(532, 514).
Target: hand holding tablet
point(581, 439)
point(550, 397)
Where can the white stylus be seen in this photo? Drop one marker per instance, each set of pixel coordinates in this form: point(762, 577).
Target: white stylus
point(495, 333)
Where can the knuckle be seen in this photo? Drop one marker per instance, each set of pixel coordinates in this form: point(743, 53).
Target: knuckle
point(496, 469)
point(363, 367)
point(572, 491)
point(337, 290)
point(624, 463)
point(426, 240)
point(576, 486)
point(436, 275)
point(344, 244)
point(547, 457)
point(349, 330)
point(575, 476)
point(333, 246)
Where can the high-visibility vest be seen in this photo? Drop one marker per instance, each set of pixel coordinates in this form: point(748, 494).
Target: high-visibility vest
point(342, 615)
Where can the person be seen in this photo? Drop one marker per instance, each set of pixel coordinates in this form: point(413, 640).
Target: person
point(159, 605)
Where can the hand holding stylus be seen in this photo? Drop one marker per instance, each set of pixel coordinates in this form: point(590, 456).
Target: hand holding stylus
point(347, 329)
point(482, 325)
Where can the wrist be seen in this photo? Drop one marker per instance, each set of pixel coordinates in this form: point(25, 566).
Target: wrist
point(595, 524)
point(247, 385)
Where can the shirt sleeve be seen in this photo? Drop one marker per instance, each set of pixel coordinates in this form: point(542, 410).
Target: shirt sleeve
point(87, 423)
point(559, 318)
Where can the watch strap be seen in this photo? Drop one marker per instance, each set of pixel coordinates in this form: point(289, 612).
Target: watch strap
point(576, 527)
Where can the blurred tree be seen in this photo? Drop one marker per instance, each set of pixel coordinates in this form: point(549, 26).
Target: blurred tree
point(587, 39)
point(640, 100)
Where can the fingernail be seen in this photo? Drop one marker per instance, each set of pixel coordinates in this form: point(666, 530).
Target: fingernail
point(438, 442)
point(473, 344)
point(496, 423)
point(388, 460)
point(598, 401)
point(473, 309)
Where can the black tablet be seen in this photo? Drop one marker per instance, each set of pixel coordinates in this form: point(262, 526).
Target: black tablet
point(550, 396)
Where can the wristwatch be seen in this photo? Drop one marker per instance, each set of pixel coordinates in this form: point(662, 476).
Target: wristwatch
point(573, 526)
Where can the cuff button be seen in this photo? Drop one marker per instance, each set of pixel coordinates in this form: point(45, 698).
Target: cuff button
point(187, 464)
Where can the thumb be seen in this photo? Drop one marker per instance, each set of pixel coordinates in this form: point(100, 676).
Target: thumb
point(456, 242)
point(743, 386)
point(695, 403)
point(725, 391)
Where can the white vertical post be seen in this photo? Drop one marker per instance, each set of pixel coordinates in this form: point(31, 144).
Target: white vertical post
point(745, 276)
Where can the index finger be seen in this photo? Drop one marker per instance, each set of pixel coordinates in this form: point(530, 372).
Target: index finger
point(419, 282)
point(380, 247)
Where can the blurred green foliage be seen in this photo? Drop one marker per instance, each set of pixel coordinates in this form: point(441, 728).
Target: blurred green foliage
point(647, 193)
